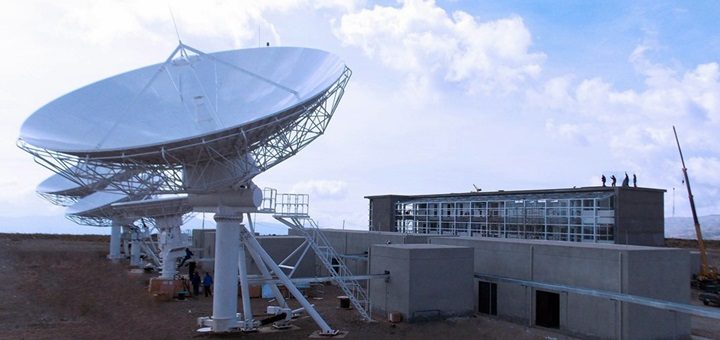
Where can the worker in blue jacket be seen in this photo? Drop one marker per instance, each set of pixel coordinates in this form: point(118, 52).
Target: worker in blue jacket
point(207, 284)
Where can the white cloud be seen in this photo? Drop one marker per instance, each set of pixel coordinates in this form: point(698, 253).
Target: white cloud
point(236, 22)
point(321, 189)
point(704, 170)
point(635, 125)
point(421, 39)
point(345, 5)
point(566, 131)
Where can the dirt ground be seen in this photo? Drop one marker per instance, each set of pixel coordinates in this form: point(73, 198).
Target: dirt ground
point(63, 287)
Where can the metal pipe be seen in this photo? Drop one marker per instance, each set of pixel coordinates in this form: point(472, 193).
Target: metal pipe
point(320, 279)
point(640, 300)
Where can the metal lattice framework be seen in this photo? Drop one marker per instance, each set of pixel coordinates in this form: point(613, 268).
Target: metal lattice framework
point(204, 165)
point(91, 221)
point(60, 200)
point(105, 220)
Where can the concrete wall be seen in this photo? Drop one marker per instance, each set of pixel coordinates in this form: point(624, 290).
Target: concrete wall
point(278, 247)
point(652, 272)
point(203, 243)
point(695, 263)
point(639, 216)
point(382, 217)
point(426, 281)
point(357, 243)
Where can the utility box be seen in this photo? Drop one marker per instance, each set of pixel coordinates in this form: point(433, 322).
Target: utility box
point(164, 289)
point(426, 281)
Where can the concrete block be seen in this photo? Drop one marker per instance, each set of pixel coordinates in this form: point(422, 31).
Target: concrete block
point(661, 273)
point(426, 281)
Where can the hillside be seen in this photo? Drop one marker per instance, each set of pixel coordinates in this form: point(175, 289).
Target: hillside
point(682, 227)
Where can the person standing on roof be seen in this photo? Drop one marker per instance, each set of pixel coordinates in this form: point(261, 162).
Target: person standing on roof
point(614, 180)
point(626, 181)
point(634, 181)
point(603, 179)
point(207, 284)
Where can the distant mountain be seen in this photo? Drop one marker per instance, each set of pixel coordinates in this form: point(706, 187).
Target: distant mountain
point(58, 224)
point(682, 227)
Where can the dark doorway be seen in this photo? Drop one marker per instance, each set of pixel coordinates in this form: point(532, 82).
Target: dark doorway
point(487, 298)
point(547, 309)
point(336, 265)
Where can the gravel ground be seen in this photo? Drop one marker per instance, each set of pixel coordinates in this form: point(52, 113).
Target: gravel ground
point(63, 287)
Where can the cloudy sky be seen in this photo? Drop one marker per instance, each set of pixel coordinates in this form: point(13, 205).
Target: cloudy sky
point(444, 95)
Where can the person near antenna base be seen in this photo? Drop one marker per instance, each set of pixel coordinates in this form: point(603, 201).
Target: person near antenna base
point(188, 255)
point(207, 284)
point(195, 281)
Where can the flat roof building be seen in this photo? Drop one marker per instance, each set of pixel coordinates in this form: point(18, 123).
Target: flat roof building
point(622, 215)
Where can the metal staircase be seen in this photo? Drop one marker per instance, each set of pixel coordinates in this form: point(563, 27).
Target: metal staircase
point(292, 211)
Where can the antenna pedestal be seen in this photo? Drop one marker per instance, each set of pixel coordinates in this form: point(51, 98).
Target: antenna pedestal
point(115, 240)
point(229, 207)
point(227, 246)
point(171, 244)
point(135, 247)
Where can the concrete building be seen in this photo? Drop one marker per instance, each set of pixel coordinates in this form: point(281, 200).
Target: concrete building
point(661, 273)
point(621, 215)
point(413, 288)
point(438, 276)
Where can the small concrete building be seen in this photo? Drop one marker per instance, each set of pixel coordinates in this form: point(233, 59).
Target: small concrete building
point(660, 273)
point(426, 281)
point(621, 215)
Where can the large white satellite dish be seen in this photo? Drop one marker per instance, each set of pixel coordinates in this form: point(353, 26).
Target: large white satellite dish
point(234, 113)
point(204, 124)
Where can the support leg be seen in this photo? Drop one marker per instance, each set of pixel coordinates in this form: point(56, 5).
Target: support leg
point(254, 245)
point(265, 272)
point(248, 323)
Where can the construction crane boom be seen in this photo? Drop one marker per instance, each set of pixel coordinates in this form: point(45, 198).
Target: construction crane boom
point(706, 272)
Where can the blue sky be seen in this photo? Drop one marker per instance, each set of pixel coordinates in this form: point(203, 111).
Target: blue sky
point(444, 95)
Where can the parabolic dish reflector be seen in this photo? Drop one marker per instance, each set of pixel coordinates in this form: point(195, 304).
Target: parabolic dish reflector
point(98, 204)
point(58, 184)
point(188, 99)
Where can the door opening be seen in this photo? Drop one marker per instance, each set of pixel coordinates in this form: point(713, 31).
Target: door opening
point(487, 298)
point(547, 309)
